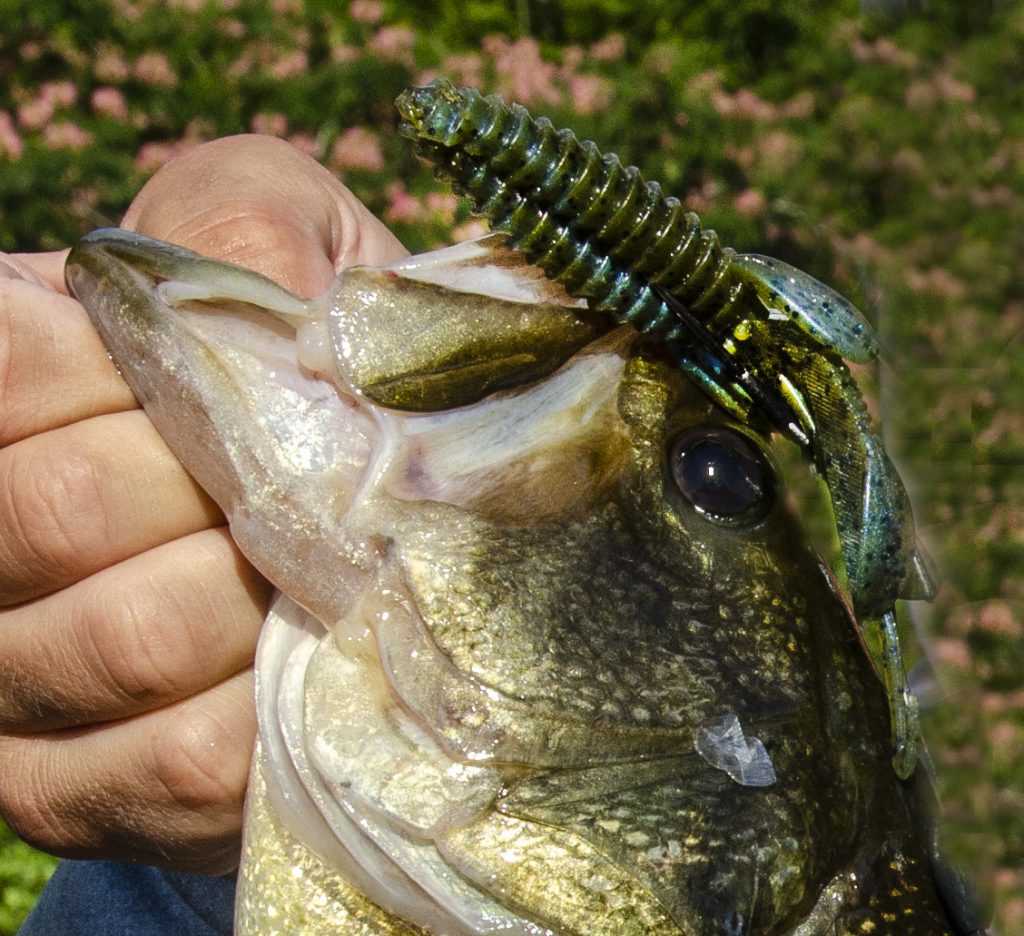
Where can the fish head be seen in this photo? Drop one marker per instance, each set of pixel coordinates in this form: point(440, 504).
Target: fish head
point(549, 652)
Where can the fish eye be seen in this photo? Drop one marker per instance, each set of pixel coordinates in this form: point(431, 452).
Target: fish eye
point(723, 474)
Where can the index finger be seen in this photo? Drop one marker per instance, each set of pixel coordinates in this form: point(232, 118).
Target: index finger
point(47, 267)
point(54, 370)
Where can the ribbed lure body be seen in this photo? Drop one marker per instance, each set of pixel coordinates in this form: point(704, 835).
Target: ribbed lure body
point(765, 340)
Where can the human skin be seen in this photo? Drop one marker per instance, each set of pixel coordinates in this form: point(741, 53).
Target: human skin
point(128, 619)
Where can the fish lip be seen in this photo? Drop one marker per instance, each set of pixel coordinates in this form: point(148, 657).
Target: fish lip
point(103, 255)
point(128, 247)
point(120, 258)
point(110, 253)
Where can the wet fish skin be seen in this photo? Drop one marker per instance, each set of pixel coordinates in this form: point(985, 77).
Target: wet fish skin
point(512, 606)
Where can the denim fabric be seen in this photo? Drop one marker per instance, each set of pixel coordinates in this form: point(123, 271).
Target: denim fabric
point(108, 898)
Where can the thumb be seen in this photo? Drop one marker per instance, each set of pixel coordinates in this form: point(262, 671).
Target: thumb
point(259, 202)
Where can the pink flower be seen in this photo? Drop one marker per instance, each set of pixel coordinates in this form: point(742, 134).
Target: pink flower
point(110, 65)
point(750, 203)
point(800, 105)
point(295, 63)
point(865, 247)
point(305, 143)
point(907, 161)
point(394, 44)
point(950, 652)
point(723, 102)
point(1013, 907)
point(269, 124)
point(231, 28)
point(522, 74)
point(151, 156)
point(83, 201)
point(999, 196)
point(35, 114)
point(748, 105)
point(705, 83)
point(741, 155)
point(937, 281)
point(128, 9)
point(471, 229)
point(366, 11)
point(1005, 738)
point(10, 140)
point(466, 69)
point(883, 50)
point(344, 53)
point(744, 104)
point(443, 205)
point(572, 58)
point(358, 148)
point(109, 101)
point(65, 135)
point(953, 90)
point(61, 93)
point(589, 93)
point(982, 123)
point(402, 206)
point(243, 65)
point(609, 49)
point(704, 198)
point(779, 151)
point(155, 69)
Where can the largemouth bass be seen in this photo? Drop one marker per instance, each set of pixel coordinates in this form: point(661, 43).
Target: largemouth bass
point(548, 653)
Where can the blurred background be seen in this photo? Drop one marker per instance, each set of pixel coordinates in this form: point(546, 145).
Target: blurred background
point(877, 144)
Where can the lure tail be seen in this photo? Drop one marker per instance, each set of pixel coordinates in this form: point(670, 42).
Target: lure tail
point(875, 525)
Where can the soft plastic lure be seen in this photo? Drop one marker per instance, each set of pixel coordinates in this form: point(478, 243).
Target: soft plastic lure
point(765, 340)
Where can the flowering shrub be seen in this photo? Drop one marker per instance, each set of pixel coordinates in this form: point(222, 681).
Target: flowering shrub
point(884, 157)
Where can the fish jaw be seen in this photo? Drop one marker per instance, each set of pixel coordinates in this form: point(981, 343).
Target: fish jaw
point(209, 349)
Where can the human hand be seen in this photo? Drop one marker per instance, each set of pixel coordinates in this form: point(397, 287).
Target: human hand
point(128, 619)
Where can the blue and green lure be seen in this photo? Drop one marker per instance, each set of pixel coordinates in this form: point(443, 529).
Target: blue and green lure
point(766, 341)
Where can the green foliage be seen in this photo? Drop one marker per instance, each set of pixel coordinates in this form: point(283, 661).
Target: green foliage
point(23, 872)
point(881, 153)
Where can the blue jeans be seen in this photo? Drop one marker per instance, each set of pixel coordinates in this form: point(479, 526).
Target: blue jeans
point(109, 898)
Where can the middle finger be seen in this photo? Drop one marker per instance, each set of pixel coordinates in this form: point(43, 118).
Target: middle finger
point(126, 641)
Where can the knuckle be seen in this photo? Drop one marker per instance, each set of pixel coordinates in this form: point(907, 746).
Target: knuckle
point(27, 798)
point(52, 508)
point(124, 647)
point(21, 702)
point(196, 762)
